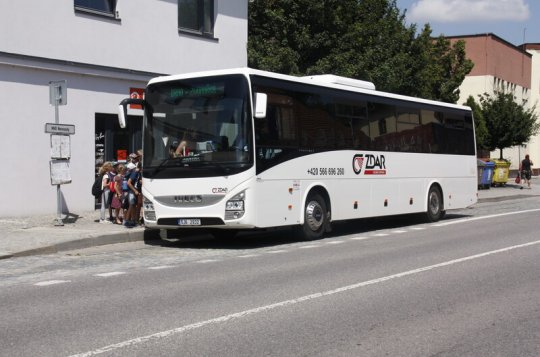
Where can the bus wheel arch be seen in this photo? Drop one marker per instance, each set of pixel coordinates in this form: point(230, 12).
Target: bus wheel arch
point(316, 214)
point(435, 203)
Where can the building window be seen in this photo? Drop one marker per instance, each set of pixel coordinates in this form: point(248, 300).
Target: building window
point(196, 16)
point(97, 7)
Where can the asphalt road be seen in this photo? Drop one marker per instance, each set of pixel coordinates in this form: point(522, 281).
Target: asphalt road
point(467, 286)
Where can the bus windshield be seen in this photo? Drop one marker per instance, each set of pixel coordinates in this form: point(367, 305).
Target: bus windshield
point(197, 128)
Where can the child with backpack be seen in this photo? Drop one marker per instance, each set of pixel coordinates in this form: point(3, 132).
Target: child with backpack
point(117, 192)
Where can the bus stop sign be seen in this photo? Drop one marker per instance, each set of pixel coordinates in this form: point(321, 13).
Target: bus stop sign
point(58, 92)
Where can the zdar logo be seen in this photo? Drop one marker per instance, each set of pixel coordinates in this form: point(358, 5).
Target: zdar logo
point(357, 163)
point(374, 164)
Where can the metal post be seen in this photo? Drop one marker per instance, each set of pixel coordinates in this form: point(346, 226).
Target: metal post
point(58, 221)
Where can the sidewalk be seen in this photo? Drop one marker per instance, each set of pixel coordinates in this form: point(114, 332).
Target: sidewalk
point(24, 236)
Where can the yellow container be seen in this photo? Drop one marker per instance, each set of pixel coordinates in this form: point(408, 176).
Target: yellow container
point(500, 174)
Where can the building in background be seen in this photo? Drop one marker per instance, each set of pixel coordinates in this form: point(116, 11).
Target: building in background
point(498, 64)
point(106, 50)
point(534, 144)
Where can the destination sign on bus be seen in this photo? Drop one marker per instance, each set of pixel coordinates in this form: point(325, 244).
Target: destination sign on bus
point(205, 90)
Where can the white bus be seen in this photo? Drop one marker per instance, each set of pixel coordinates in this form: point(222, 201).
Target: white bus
point(240, 149)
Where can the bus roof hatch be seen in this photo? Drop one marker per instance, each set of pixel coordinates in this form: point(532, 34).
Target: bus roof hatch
point(344, 81)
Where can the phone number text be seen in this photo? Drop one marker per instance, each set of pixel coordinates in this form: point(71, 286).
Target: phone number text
point(326, 171)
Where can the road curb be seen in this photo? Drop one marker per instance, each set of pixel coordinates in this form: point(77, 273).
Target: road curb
point(87, 242)
point(504, 198)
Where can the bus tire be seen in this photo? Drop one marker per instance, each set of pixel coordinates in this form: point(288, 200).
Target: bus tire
point(315, 218)
point(435, 207)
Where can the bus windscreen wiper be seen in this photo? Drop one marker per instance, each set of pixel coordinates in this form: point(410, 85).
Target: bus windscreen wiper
point(163, 164)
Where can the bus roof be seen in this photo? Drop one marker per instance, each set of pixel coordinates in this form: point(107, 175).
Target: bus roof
point(329, 81)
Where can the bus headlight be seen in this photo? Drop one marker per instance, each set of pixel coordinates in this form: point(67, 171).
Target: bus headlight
point(234, 208)
point(148, 209)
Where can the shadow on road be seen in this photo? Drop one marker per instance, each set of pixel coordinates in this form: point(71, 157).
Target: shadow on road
point(198, 239)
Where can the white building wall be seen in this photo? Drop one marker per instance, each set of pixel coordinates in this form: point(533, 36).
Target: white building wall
point(475, 85)
point(533, 147)
point(145, 38)
point(46, 40)
point(26, 146)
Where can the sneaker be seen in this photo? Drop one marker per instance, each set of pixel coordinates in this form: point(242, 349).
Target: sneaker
point(521, 188)
point(104, 221)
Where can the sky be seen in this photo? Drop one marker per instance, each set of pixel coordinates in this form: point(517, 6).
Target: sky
point(516, 21)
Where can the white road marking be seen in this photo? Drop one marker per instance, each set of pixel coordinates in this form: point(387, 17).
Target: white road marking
point(463, 220)
point(309, 246)
point(399, 231)
point(112, 273)
point(241, 314)
point(360, 238)
point(204, 261)
point(418, 228)
point(52, 282)
point(277, 251)
point(335, 242)
point(159, 267)
point(381, 234)
point(248, 255)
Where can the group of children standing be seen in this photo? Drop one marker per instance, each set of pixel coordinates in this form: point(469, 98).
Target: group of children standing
point(121, 185)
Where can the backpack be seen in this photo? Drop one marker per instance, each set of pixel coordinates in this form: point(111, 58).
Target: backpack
point(112, 182)
point(125, 186)
point(96, 187)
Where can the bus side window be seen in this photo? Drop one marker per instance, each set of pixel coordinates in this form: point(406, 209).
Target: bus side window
point(272, 124)
point(352, 127)
point(266, 128)
point(408, 124)
point(279, 127)
point(382, 119)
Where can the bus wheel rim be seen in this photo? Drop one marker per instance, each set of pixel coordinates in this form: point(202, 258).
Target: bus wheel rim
point(434, 204)
point(314, 215)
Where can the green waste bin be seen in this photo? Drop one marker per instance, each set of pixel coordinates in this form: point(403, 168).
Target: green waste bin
point(500, 175)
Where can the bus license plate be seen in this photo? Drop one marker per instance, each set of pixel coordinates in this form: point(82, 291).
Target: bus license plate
point(189, 222)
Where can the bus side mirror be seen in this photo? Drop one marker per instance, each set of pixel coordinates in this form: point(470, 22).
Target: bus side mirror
point(261, 100)
point(122, 109)
point(122, 113)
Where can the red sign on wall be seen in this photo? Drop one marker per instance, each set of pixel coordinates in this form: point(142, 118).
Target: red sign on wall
point(121, 155)
point(136, 93)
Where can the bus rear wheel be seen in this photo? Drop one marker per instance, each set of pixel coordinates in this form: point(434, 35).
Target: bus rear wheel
point(435, 207)
point(315, 218)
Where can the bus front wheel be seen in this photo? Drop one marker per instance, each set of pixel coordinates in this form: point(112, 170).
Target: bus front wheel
point(315, 218)
point(435, 207)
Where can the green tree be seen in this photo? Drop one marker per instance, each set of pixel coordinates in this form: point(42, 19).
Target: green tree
point(449, 68)
point(291, 36)
point(365, 39)
point(480, 127)
point(508, 122)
